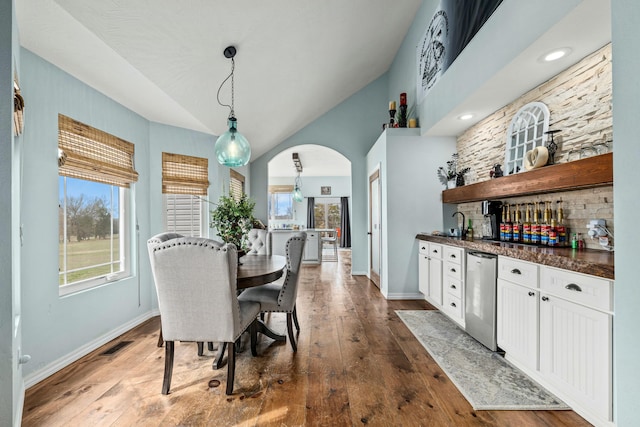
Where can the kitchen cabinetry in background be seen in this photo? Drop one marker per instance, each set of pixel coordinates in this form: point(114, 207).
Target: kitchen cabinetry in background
point(556, 326)
point(430, 272)
point(312, 251)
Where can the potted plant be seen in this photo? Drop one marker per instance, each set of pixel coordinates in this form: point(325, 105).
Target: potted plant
point(233, 219)
point(450, 176)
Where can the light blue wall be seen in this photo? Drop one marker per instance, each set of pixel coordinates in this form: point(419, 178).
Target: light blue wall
point(626, 175)
point(350, 128)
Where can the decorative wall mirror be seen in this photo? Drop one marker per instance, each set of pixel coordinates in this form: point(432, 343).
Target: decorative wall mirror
point(525, 132)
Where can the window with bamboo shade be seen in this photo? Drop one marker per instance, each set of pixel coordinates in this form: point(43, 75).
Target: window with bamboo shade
point(185, 174)
point(236, 184)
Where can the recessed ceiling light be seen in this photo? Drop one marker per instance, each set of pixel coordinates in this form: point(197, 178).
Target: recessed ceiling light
point(555, 54)
point(466, 116)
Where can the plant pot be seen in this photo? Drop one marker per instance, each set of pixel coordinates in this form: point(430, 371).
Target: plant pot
point(451, 183)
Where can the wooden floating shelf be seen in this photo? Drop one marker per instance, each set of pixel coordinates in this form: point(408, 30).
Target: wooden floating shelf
point(596, 171)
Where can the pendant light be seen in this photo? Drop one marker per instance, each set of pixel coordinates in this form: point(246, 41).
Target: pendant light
point(297, 191)
point(232, 148)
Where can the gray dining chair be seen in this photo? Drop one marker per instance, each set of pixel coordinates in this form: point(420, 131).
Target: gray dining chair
point(195, 280)
point(280, 297)
point(259, 242)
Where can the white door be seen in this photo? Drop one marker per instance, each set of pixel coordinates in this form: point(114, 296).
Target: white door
point(374, 228)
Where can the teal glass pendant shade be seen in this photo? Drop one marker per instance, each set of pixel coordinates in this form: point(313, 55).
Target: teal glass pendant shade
point(297, 194)
point(232, 148)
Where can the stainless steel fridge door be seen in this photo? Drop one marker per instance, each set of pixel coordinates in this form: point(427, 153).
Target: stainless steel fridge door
point(480, 298)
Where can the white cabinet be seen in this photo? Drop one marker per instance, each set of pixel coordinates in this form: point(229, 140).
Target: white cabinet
point(423, 268)
point(453, 284)
point(576, 338)
point(517, 323)
point(312, 248)
point(430, 272)
point(556, 325)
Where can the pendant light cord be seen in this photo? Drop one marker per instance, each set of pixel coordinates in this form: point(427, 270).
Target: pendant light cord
point(231, 113)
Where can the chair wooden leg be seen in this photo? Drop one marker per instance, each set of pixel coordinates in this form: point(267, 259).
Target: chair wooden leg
point(210, 346)
point(160, 339)
point(295, 318)
point(168, 367)
point(253, 332)
point(200, 348)
point(231, 368)
point(262, 316)
point(217, 362)
point(292, 338)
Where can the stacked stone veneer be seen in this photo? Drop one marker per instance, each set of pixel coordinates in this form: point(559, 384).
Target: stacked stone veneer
point(579, 102)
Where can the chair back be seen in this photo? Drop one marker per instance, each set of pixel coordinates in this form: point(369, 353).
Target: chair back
point(161, 238)
point(195, 281)
point(259, 242)
point(294, 252)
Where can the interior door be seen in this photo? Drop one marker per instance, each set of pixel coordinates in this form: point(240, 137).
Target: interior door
point(375, 242)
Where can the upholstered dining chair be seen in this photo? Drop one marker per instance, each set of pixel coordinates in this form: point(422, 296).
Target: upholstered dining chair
point(259, 242)
point(195, 280)
point(280, 297)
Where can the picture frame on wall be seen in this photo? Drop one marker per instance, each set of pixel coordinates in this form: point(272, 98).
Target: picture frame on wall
point(325, 190)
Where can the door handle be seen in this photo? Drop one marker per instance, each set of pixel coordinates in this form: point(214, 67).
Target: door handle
point(369, 233)
point(545, 299)
point(532, 294)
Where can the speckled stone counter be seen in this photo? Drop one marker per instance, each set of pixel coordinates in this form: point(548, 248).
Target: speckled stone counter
point(587, 261)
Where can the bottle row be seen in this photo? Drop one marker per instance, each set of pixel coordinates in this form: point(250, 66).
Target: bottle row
point(542, 225)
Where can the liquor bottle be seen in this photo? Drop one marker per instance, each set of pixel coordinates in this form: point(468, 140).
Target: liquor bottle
point(546, 224)
point(562, 228)
point(553, 233)
point(508, 228)
point(503, 223)
point(470, 231)
point(535, 227)
point(517, 225)
point(526, 226)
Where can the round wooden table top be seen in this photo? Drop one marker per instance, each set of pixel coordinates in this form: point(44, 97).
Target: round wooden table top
point(257, 270)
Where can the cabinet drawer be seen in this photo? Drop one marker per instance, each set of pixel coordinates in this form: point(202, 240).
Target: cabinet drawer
point(453, 270)
point(423, 247)
point(435, 250)
point(453, 287)
point(454, 255)
point(453, 306)
point(587, 290)
point(517, 271)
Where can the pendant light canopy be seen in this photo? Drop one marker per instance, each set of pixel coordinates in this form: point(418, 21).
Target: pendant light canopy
point(232, 148)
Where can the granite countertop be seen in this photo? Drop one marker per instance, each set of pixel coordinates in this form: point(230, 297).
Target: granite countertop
point(587, 261)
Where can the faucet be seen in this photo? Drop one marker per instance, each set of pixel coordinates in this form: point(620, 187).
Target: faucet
point(463, 232)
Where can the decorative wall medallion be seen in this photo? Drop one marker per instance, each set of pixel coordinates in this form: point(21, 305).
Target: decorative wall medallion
point(432, 52)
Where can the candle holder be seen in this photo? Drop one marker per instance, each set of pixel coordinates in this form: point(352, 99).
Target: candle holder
point(392, 115)
point(402, 120)
point(551, 146)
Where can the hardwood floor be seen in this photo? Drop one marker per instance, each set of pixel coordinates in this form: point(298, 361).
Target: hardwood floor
point(357, 364)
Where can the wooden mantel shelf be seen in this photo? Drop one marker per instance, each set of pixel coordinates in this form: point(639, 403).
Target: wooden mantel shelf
point(593, 171)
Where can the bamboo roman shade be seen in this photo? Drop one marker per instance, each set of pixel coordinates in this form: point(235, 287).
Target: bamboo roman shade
point(94, 155)
point(185, 174)
point(281, 189)
point(236, 184)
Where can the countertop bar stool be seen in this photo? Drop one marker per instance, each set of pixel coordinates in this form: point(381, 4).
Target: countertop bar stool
point(280, 297)
point(196, 282)
point(332, 240)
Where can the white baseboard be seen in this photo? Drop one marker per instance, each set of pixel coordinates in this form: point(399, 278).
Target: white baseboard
point(409, 296)
point(53, 367)
point(359, 273)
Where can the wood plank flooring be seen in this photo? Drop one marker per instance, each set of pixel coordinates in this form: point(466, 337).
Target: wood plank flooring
point(357, 364)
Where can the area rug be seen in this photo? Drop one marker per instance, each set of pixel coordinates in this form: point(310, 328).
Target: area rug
point(485, 378)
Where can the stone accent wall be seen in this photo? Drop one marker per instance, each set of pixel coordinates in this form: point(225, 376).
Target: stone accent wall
point(579, 101)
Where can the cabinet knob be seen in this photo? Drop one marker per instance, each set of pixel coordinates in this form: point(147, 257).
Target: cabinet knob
point(452, 256)
point(453, 270)
point(516, 271)
point(453, 286)
point(532, 294)
point(453, 304)
point(573, 287)
point(435, 251)
point(545, 299)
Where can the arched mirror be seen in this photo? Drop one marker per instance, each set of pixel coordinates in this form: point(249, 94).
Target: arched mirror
point(525, 132)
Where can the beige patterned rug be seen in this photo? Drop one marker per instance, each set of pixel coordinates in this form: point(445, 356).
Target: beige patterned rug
point(485, 378)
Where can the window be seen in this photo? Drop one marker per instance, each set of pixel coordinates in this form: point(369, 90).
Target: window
point(326, 212)
point(280, 202)
point(236, 184)
point(96, 170)
point(184, 180)
point(526, 132)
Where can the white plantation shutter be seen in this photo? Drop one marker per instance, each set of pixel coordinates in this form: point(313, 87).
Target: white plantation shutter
point(183, 214)
point(236, 184)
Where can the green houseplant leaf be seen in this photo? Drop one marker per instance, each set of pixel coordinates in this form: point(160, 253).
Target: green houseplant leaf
point(233, 219)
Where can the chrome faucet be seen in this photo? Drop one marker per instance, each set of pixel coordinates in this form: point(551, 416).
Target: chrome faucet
point(463, 232)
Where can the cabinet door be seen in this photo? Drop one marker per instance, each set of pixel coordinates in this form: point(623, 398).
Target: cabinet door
point(311, 252)
point(517, 322)
point(575, 352)
point(423, 273)
point(435, 281)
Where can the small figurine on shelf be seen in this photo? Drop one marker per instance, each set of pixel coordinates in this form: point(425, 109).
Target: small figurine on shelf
point(402, 119)
point(496, 172)
point(392, 113)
